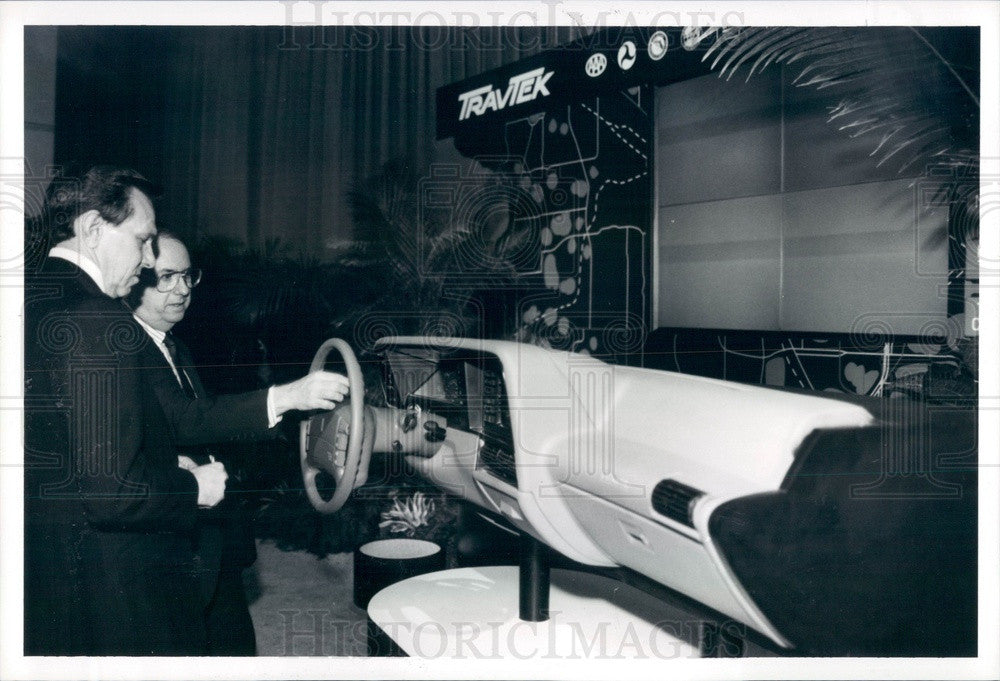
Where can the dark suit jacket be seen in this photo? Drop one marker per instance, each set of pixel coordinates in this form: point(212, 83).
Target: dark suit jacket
point(224, 539)
point(210, 419)
point(108, 514)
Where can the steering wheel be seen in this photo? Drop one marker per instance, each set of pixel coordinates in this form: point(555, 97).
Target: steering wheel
point(338, 442)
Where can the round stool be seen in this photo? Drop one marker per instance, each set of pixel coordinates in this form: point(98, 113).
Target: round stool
point(380, 563)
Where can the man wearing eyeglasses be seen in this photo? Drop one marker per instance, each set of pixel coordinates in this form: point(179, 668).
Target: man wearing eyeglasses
point(107, 512)
point(224, 545)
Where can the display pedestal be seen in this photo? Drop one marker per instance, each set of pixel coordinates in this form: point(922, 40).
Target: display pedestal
point(378, 564)
point(473, 613)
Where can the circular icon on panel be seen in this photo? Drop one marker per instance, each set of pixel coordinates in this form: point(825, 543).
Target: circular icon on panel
point(626, 55)
point(657, 46)
point(596, 64)
point(692, 36)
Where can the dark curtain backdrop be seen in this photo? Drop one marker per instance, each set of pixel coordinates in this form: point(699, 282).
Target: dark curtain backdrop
point(258, 133)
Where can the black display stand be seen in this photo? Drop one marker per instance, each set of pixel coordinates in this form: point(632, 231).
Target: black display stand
point(533, 585)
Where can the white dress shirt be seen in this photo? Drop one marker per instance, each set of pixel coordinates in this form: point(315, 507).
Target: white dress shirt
point(158, 337)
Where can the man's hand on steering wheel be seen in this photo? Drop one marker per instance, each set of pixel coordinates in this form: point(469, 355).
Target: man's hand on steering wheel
point(316, 390)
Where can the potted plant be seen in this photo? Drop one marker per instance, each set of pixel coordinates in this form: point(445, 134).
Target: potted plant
point(416, 530)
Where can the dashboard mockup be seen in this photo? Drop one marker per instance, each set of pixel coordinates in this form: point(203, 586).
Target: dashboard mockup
point(465, 387)
point(612, 466)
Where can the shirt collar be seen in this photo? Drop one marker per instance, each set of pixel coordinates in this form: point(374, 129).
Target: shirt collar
point(89, 267)
point(155, 334)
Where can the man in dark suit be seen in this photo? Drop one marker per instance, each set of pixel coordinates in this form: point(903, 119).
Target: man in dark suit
point(108, 561)
point(224, 544)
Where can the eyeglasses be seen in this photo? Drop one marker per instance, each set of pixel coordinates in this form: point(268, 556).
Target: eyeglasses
point(167, 282)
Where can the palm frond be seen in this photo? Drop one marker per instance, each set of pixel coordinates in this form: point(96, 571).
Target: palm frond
point(428, 262)
point(790, 50)
point(758, 46)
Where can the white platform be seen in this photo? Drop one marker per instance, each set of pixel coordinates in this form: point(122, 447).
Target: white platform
point(472, 613)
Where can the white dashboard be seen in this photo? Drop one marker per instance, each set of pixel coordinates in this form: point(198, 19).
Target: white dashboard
point(609, 465)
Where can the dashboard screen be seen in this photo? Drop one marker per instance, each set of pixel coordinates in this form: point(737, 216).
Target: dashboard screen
point(467, 388)
point(414, 371)
point(422, 376)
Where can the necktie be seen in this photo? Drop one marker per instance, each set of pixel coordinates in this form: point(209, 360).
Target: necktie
point(171, 345)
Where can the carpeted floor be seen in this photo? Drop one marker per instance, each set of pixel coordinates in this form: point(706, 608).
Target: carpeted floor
point(303, 605)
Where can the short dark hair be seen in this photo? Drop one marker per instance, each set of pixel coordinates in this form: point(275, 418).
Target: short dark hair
point(104, 188)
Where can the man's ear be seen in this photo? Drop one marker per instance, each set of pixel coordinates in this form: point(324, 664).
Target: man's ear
point(88, 227)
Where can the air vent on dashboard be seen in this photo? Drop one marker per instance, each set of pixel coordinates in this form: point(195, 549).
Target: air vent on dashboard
point(497, 456)
point(675, 500)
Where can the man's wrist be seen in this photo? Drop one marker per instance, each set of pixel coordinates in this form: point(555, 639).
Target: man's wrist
point(276, 405)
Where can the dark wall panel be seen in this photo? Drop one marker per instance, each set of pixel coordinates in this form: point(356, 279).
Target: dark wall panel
point(583, 181)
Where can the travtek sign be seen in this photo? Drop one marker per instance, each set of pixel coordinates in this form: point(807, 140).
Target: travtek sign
point(606, 62)
point(521, 88)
